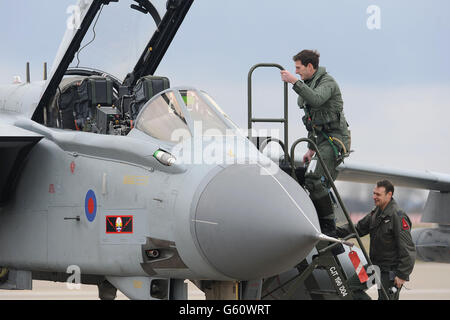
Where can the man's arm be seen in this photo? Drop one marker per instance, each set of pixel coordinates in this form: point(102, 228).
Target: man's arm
point(405, 246)
point(317, 96)
point(313, 97)
point(362, 227)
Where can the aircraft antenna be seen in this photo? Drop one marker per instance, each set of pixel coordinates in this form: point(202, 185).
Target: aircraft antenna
point(45, 70)
point(28, 72)
point(93, 30)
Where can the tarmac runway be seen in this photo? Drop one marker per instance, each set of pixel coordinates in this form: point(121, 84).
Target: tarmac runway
point(429, 281)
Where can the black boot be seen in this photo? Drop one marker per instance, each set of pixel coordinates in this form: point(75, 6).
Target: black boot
point(328, 227)
point(325, 213)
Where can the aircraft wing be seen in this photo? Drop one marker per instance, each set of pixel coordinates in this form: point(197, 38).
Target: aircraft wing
point(15, 145)
point(364, 173)
point(438, 202)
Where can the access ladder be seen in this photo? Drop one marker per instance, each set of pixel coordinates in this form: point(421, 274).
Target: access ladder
point(324, 258)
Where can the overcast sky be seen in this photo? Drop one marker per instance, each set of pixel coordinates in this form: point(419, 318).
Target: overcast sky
point(395, 80)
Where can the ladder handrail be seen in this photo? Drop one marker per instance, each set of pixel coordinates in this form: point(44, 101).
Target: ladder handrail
point(336, 243)
point(249, 95)
point(266, 141)
point(344, 209)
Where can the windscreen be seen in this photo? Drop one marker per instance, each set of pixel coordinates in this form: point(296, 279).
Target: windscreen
point(202, 114)
point(163, 119)
point(219, 109)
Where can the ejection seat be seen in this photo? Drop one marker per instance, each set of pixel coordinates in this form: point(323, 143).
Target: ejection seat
point(146, 88)
point(78, 98)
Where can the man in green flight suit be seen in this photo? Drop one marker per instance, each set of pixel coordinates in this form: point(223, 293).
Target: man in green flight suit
point(391, 245)
point(320, 97)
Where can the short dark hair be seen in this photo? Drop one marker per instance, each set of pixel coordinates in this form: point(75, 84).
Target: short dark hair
point(308, 56)
point(386, 184)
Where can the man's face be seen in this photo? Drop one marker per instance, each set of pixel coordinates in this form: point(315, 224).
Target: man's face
point(305, 72)
point(380, 197)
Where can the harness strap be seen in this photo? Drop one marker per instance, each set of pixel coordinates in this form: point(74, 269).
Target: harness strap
point(330, 140)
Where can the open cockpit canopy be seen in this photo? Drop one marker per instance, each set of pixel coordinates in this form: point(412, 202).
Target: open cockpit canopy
point(113, 36)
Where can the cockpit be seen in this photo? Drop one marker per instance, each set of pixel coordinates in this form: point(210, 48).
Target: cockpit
point(179, 113)
point(97, 104)
point(95, 101)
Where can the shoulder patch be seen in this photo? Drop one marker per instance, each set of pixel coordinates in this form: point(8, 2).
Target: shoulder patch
point(405, 224)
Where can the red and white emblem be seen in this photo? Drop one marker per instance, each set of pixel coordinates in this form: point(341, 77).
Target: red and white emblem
point(360, 271)
point(405, 224)
point(119, 224)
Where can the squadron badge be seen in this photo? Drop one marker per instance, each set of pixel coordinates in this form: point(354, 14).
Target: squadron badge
point(119, 224)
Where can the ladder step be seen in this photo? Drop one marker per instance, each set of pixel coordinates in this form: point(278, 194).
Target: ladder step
point(268, 120)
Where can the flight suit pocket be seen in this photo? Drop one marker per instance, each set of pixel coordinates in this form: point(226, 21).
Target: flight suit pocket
point(387, 232)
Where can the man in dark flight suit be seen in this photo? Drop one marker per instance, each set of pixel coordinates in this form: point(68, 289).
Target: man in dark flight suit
point(391, 245)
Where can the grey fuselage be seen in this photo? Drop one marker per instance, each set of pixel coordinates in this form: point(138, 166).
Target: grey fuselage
point(201, 218)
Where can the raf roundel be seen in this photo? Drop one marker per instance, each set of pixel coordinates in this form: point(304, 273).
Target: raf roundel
point(90, 205)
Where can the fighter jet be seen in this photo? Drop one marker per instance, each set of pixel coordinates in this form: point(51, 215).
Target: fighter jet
point(137, 186)
point(90, 179)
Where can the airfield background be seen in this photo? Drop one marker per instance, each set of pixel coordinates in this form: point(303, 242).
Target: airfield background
point(395, 79)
